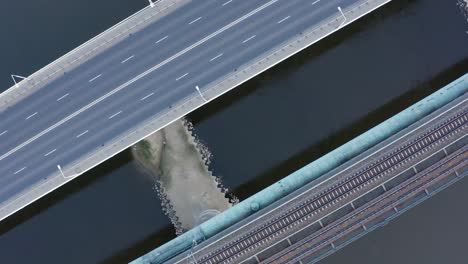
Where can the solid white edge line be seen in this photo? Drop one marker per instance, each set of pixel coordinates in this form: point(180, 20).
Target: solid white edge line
point(1, 94)
point(100, 99)
point(88, 42)
point(141, 75)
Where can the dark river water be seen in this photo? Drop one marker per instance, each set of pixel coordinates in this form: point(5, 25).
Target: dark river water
point(258, 133)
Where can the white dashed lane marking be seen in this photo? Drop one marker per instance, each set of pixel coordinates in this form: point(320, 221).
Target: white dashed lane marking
point(284, 19)
point(50, 152)
point(195, 20)
point(180, 77)
point(94, 78)
point(144, 98)
point(81, 134)
point(161, 39)
point(20, 170)
point(127, 59)
point(114, 115)
point(217, 56)
point(63, 96)
point(136, 78)
point(31, 115)
point(250, 38)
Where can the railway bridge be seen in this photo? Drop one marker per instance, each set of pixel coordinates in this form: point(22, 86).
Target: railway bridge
point(343, 204)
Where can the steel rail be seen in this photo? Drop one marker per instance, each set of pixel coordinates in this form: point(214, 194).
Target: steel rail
point(383, 208)
point(342, 189)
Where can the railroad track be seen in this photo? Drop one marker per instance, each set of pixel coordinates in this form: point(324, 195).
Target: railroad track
point(351, 221)
point(339, 191)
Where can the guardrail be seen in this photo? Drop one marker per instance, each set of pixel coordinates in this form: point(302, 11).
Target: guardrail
point(88, 50)
point(223, 84)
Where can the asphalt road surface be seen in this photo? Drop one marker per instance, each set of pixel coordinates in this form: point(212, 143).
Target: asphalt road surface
point(140, 77)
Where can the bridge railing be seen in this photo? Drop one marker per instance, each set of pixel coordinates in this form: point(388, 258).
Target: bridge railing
point(218, 87)
point(88, 50)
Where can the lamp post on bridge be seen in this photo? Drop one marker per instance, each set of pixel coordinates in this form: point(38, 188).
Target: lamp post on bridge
point(201, 95)
point(14, 76)
point(60, 169)
point(63, 175)
point(345, 19)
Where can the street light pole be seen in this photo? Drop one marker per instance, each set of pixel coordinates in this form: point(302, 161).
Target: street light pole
point(345, 19)
point(63, 175)
point(60, 169)
point(151, 3)
point(201, 95)
point(14, 76)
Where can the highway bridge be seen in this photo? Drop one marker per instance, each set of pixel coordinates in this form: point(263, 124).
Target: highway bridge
point(349, 201)
point(142, 74)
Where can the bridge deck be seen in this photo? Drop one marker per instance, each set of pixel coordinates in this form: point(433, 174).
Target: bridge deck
point(140, 76)
point(351, 200)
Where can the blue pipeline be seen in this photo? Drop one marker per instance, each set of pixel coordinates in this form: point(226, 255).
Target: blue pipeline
point(308, 173)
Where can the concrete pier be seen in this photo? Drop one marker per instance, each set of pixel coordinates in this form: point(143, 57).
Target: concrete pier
point(188, 191)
